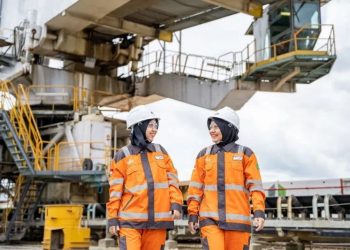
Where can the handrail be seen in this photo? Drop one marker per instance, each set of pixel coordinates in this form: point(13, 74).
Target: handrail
point(22, 119)
point(329, 42)
point(230, 64)
point(78, 97)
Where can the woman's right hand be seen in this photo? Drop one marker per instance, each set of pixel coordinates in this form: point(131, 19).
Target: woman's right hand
point(193, 227)
point(114, 230)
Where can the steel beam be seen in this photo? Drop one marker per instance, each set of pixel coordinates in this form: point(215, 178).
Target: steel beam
point(285, 78)
point(253, 8)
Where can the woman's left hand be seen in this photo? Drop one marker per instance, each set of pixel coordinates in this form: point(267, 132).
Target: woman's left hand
point(258, 223)
point(176, 214)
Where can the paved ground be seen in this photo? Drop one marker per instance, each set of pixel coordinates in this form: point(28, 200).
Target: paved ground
point(39, 247)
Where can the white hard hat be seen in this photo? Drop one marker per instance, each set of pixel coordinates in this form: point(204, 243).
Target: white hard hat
point(227, 114)
point(139, 114)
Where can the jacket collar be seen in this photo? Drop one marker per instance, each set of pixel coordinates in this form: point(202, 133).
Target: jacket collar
point(230, 147)
point(136, 150)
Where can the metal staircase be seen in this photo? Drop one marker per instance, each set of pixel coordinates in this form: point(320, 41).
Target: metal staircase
point(22, 138)
point(24, 159)
point(19, 130)
point(25, 206)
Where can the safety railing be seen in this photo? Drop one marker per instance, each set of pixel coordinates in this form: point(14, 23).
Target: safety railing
point(321, 39)
point(202, 67)
point(70, 156)
point(7, 37)
point(17, 103)
point(54, 94)
point(15, 100)
point(77, 97)
point(233, 64)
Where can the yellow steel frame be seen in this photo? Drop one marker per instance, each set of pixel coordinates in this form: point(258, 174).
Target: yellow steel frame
point(22, 118)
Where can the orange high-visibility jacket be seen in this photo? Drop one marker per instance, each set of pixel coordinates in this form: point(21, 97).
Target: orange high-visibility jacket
point(222, 183)
point(144, 188)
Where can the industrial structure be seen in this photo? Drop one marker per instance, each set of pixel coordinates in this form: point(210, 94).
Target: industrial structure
point(59, 67)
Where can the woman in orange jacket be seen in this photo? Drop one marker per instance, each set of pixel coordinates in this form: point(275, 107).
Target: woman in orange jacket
point(144, 197)
point(226, 176)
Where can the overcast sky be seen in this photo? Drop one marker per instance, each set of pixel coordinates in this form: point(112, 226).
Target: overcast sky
point(305, 135)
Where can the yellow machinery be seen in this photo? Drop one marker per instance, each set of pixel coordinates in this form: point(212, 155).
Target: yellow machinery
point(63, 228)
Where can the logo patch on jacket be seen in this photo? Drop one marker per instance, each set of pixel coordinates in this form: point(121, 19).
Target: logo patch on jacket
point(237, 157)
point(159, 157)
point(130, 161)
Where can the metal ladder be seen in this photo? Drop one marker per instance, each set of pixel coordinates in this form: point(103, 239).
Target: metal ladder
point(23, 158)
point(24, 210)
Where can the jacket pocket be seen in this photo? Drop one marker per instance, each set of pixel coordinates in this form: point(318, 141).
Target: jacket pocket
point(128, 203)
point(236, 172)
point(133, 176)
point(161, 171)
point(161, 164)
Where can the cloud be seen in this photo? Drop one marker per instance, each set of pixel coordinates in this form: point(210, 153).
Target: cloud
point(303, 135)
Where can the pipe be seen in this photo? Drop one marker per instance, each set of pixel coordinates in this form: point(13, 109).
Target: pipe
point(279, 207)
point(314, 206)
point(290, 207)
point(326, 206)
point(115, 139)
point(70, 139)
point(54, 140)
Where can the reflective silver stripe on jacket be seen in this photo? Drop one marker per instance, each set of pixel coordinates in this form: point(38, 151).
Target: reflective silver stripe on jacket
point(163, 215)
point(137, 188)
point(228, 216)
point(116, 181)
point(160, 185)
point(240, 149)
point(227, 187)
point(238, 217)
point(256, 189)
point(256, 185)
point(194, 197)
point(172, 176)
point(157, 147)
point(115, 194)
point(254, 182)
point(126, 151)
point(174, 183)
point(208, 150)
point(196, 185)
point(133, 215)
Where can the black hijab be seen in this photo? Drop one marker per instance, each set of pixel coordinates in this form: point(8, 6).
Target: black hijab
point(229, 132)
point(138, 134)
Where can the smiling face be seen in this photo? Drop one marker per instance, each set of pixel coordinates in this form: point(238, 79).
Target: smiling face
point(215, 132)
point(151, 130)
